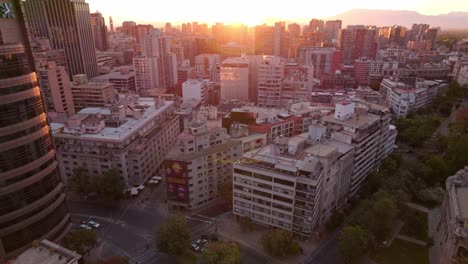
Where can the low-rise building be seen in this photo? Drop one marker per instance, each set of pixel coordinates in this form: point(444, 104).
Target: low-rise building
point(91, 94)
point(200, 162)
point(132, 136)
point(451, 239)
point(123, 80)
point(46, 252)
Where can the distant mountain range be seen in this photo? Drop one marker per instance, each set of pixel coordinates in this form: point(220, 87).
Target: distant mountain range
point(452, 20)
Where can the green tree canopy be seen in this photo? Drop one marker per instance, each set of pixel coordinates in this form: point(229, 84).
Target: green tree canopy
point(110, 186)
point(225, 191)
point(353, 244)
point(81, 240)
point(222, 253)
point(173, 237)
point(80, 181)
point(279, 242)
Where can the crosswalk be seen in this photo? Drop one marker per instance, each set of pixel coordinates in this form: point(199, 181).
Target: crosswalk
point(148, 256)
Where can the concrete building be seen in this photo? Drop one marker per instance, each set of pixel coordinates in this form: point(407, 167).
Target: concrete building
point(281, 83)
point(366, 127)
point(61, 21)
point(123, 80)
point(47, 253)
point(293, 184)
point(132, 136)
point(325, 60)
point(157, 67)
point(32, 201)
point(332, 30)
point(200, 163)
point(99, 29)
point(43, 53)
point(361, 71)
point(451, 238)
point(205, 65)
point(91, 94)
point(56, 89)
point(463, 75)
point(197, 89)
point(357, 42)
point(403, 98)
point(235, 79)
point(250, 141)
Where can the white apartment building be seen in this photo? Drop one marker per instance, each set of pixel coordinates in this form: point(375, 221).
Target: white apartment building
point(235, 79)
point(201, 160)
point(365, 127)
point(293, 183)
point(463, 75)
point(91, 94)
point(132, 135)
point(196, 89)
point(451, 237)
point(402, 98)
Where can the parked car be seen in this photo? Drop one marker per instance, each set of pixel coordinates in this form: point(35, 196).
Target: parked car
point(87, 227)
point(196, 247)
point(94, 224)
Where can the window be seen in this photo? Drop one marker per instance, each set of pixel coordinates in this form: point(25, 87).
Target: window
point(243, 172)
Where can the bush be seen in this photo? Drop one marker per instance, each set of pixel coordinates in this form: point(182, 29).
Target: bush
point(279, 242)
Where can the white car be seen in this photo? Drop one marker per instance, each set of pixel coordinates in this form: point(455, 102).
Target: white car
point(94, 224)
point(87, 227)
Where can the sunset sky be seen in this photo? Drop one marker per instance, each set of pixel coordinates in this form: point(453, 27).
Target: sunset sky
point(253, 12)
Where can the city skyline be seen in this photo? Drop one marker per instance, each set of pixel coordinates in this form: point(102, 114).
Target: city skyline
point(259, 12)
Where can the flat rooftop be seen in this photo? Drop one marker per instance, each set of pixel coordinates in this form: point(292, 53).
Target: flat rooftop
point(43, 255)
point(114, 75)
point(462, 199)
point(358, 122)
point(130, 125)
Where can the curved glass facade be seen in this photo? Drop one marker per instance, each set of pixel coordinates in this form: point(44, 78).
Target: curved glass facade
point(32, 202)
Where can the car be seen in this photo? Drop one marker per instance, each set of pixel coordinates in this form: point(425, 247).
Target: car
point(203, 241)
point(196, 247)
point(213, 237)
point(199, 242)
point(87, 227)
point(94, 224)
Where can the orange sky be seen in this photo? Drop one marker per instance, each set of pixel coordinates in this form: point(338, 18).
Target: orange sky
point(253, 12)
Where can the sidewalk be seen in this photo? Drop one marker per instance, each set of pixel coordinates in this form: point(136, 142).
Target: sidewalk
point(411, 240)
point(230, 229)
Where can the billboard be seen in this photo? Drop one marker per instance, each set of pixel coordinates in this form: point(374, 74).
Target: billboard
point(177, 180)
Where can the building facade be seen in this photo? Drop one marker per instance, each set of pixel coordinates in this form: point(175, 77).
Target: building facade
point(60, 22)
point(91, 94)
point(200, 163)
point(99, 28)
point(32, 201)
point(132, 136)
point(235, 79)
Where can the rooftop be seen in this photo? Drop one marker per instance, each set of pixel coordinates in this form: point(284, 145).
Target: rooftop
point(114, 75)
point(357, 121)
point(47, 253)
point(130, 125)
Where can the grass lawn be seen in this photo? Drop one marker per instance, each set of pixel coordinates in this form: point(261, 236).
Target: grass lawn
point(416, 225)
point(401, 252)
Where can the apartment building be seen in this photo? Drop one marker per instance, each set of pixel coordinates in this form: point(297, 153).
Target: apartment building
point(123, 80)
point(91, 94)
point(234, 77)
point(205, 65)
point(451, 238)
point(325, 60)
point(132, 135)
point(281, 83)
point(200, 162)
point(293, 183)
point(366, 128)
point(196, 89)
point(403, 98)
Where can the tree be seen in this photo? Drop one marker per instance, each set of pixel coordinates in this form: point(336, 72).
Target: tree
point(222, 253)
point(462, 117)
point(80, 241)
point(279, 242)
point(439, 170)
point(336, 219)
point(353, 244)
point(431, 196)
point(457, 154)
point(225, 191)
point(114, 260)
point(110, 186)
point(173, 237)
point(80, 180)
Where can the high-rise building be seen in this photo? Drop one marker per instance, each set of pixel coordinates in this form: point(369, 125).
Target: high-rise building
point(98, 25)
point(356, 42)
point(67, 24)
point(264, 38)
point(316, 25)
point(111, 24)
point(235, 79)
point(332, 30)
point(418, 31)
point(56, 89)
point(157, 67)
point(280, 44)
point(205, 65)
point(32, 202)
point(294, 30)
point(325, 60)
